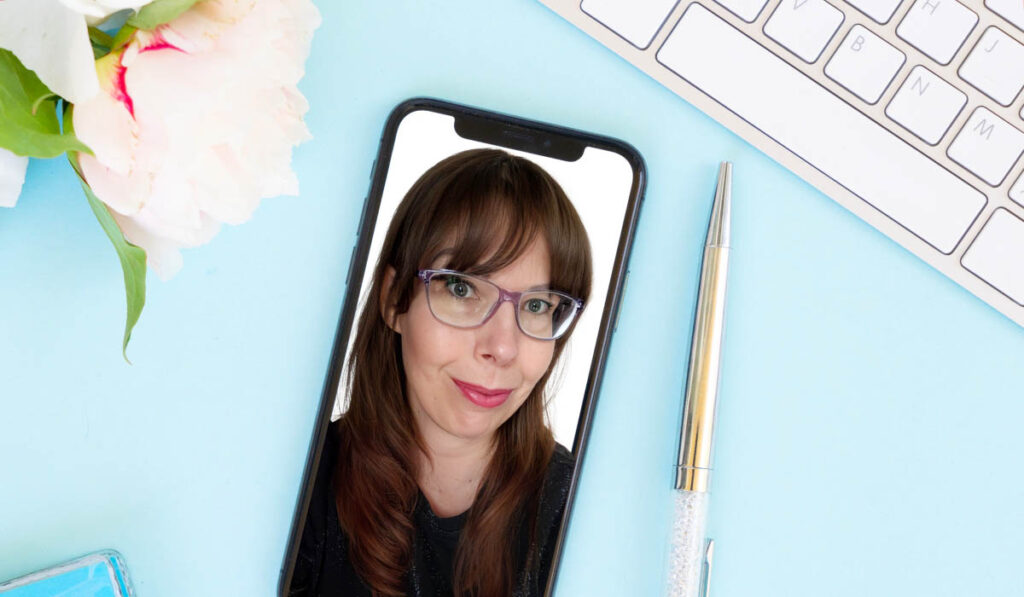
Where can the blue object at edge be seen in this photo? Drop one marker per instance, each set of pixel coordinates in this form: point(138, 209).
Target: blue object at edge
point(100, 574)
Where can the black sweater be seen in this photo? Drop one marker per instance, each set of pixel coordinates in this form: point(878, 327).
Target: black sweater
point(323, 567)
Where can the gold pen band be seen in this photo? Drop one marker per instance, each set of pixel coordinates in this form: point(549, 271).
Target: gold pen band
point(693, 478)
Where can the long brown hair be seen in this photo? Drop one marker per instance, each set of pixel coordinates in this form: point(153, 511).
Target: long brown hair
point(478, 210)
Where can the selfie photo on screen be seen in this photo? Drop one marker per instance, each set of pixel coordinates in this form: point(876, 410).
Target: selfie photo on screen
point(449, 456)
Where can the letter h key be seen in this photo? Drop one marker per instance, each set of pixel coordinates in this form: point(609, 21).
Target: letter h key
point(937, 27)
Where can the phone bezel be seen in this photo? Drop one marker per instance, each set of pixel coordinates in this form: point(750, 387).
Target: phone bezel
point(507, 131)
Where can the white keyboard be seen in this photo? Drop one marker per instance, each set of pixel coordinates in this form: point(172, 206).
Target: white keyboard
point(907, 112)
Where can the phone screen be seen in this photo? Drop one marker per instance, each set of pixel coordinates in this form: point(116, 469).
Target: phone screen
point(602, 180)
point(598, 184)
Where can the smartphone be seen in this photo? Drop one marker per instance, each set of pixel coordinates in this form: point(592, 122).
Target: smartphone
point(603, 179)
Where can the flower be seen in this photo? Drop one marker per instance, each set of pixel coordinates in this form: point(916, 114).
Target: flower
point(12, 176)
point(97, 10)
point(51, 38)
point(196, 122)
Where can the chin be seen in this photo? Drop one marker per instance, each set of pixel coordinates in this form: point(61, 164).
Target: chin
point(471, 428)
point(471, 422)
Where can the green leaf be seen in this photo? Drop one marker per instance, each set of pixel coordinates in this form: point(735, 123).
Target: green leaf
point(28, 114)
point(159, 12)
point(98, 37)
point(39, 101)
point(133, 264)
point(133, 259)
point(101, 42)
point(123, 36)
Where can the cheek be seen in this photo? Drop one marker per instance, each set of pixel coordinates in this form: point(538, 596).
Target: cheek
point(426, 345)
point(536, 358)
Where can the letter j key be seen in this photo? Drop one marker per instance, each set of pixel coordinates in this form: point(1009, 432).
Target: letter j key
point(996, 66)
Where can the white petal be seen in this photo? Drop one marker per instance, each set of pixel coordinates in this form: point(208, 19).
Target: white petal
point(102, 8)
point(53, 41)
point(125, 195)
point(12, 176)
point(161, 255)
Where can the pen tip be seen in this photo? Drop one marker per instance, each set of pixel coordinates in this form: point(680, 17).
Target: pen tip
point(719, 226)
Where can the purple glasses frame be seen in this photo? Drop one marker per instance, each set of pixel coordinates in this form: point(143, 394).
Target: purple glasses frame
point(503, 297)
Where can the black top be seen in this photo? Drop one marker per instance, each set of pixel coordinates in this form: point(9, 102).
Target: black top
point(322, 566)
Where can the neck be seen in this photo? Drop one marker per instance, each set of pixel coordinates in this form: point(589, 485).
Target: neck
point(451, 472)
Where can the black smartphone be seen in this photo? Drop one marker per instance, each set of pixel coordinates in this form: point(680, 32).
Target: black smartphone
point(427, 143)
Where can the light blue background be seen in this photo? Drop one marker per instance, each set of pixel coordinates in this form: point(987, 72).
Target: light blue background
point(869, 433)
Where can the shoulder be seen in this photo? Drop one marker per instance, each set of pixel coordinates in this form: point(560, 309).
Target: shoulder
point(560, 467)
point(554, 496)
point(321, 495)
point(557, 480)
point(317, 528)
point(328, 458)
point(562, 456)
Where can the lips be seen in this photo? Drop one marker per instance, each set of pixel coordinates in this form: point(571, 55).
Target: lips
point(482, 396)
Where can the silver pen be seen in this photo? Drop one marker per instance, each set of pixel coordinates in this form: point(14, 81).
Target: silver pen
point(691, 552)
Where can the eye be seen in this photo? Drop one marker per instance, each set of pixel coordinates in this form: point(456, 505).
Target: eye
point(459, 288)
point(536, 306)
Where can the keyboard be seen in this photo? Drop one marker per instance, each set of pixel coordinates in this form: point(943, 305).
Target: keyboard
point(909, 113)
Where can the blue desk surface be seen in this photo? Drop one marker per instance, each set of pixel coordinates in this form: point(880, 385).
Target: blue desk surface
point(869, 433)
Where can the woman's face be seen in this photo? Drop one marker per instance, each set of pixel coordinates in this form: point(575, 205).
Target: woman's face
point(464, 383)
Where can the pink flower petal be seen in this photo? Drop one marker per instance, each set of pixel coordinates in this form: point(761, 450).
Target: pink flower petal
point(204, 113)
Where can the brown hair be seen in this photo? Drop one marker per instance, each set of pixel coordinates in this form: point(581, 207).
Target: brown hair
point(478, 211)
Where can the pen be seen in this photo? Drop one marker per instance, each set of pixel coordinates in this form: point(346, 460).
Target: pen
point(690, 564)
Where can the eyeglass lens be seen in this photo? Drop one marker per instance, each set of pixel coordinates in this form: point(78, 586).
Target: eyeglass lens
point(466, 301)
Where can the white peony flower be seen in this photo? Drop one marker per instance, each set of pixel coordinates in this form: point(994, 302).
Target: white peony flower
point(197, 121)
point(51, 37)
point(12, 176)
point(97, 10)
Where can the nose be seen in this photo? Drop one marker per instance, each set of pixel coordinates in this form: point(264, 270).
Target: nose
point(498, 337)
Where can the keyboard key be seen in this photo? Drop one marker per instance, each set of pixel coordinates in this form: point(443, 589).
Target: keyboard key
point(997, 254)
point(820, 128)
point(987, 146)
point(995, 66)
point(744, 9)
point(926, 105)
point(637, 21)
point(937, 27)
point(879, 10)
point(1017, 191)
point(1011, 10)
point(865, 64)
point(804, 27)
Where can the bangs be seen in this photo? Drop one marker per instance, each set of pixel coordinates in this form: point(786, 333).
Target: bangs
point(478, 211)
point(484, 235)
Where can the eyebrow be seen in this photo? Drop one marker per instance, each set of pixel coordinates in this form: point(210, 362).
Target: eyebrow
point(539, 287)
point(439, 262)
point(534, 288)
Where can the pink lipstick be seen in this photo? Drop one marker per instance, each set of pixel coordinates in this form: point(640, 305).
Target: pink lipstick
point(482, 396)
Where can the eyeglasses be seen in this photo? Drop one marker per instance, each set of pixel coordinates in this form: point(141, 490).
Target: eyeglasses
point(466, 301)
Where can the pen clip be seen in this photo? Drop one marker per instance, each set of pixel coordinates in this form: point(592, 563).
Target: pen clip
point(709, 552)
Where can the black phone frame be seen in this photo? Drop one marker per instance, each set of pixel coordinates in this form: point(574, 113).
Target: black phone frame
point(515, 133)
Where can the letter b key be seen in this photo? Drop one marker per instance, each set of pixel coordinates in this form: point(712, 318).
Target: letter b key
point(864, 64)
